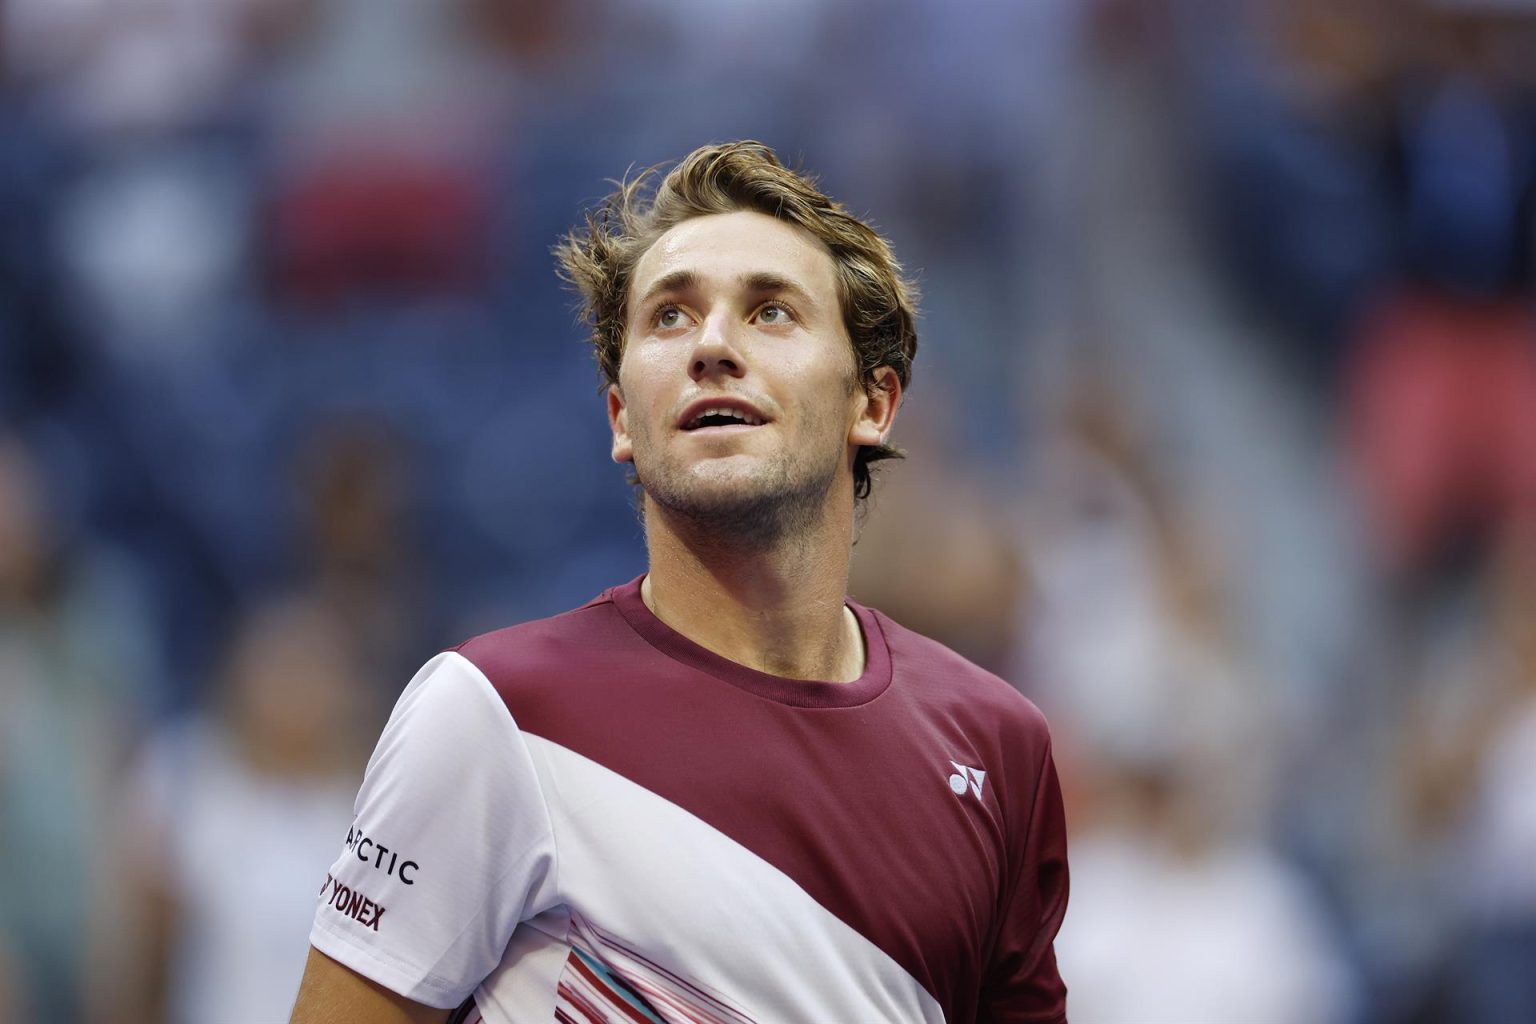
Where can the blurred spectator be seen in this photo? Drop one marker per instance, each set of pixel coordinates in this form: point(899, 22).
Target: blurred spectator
point(154, 249)
point(263, 774)
point(356, 224)
point(1126, 634)
point(1441, 396)
point(358, 554)
point(1499, 832)
point(73, 675)
point(1292, 114)
point(1358, 146)
point(144, 64)
point(1180, 910)
point(1468, 831)
point(39, 366)
point(1442, 418)
point(1173, 918)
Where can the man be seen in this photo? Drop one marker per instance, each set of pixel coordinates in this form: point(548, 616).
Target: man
point(721, 792)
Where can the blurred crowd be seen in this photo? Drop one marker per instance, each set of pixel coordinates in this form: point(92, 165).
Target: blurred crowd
point(1222, 448)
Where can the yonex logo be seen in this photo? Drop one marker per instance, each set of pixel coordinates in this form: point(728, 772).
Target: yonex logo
point(966, 776)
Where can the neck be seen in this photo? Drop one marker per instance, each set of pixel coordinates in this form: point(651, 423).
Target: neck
point(777, 608)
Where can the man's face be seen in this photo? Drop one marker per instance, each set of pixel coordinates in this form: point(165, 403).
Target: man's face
point(738, 397)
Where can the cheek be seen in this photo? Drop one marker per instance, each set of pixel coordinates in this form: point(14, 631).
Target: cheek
point(644, 401)
point(645, 364)
point(828, 385)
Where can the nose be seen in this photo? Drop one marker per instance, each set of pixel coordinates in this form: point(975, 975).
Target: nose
point(716, 352)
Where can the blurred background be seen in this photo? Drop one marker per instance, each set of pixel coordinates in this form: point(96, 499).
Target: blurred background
point(1222, 447)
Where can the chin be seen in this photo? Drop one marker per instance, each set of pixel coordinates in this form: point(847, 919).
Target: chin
point(743, 497)
point(717, 485)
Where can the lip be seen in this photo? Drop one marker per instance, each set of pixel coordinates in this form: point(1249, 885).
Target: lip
point(697, 408)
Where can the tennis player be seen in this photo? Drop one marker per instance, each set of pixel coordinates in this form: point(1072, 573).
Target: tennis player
point(720, 792)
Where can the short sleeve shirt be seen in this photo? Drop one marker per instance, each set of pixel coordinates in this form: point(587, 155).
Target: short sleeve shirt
point(591, 817)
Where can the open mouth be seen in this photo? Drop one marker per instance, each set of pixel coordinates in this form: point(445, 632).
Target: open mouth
point(722, 418)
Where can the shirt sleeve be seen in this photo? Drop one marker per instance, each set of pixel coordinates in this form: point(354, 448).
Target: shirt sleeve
point(450, 844)
point(1023, 985)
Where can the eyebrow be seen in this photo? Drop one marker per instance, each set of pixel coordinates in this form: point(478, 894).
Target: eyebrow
point(766, 282)
point(677, 281)
point(757, 282)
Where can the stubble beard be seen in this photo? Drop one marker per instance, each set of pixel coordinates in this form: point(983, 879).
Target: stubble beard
point(763, 509)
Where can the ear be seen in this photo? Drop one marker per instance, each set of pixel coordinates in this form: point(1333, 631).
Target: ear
point(618, 422)
point(879, 402)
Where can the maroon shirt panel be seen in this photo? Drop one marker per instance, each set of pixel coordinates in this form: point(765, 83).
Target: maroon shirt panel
point(842, 786)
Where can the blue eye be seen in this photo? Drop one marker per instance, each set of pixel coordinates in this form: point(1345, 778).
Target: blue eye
point(669, 316)
point(773, 313)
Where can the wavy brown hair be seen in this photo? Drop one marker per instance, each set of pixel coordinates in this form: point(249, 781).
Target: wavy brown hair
point(878, 302)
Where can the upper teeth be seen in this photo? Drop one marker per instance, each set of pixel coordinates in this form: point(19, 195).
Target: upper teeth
point(735, 414)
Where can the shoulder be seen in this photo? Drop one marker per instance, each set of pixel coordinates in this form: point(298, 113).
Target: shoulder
point(542, 654)
point(941, 676)
point(523, 642)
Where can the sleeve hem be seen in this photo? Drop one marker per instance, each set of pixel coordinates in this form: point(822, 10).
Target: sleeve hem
point(378, 967)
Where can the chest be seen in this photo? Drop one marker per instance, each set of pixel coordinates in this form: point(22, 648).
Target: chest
point(764, 835)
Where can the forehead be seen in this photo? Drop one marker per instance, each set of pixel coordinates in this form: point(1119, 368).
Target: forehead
point(721, 248)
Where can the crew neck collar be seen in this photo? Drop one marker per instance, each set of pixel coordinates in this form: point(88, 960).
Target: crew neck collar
point(801, 693)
